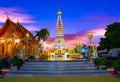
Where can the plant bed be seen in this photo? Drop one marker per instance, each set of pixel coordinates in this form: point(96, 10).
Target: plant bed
point(4, 71)
point(4, 64)
point(100, 61)
point(111, 70)
point(114, 64)
point(16, 63)
point(117, 69)
point(31, 58)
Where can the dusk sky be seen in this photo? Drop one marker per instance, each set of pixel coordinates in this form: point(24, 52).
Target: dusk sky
point(78, 16)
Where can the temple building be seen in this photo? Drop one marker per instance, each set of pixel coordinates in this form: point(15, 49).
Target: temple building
point(16, 40)
point(59, 39)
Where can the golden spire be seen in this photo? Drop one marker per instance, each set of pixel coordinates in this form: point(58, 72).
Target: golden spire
point(59, 11)
point(59, 8)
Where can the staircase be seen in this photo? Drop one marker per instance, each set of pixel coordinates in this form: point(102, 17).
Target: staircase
point(57, 68)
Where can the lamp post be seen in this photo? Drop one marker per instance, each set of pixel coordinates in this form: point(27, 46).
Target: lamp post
point(90, 36)
point(78, 47)
point(27, 39)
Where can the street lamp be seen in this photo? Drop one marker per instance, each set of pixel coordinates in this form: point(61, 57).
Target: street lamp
point(78, 47)
point(27, 39)
point(90, 36)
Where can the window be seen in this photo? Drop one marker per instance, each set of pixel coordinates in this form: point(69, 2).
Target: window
point(3, 49)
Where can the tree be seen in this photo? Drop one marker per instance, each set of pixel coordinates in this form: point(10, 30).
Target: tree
point(43, 34)
point(112, 37)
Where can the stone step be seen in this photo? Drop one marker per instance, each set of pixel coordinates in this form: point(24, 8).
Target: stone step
point(46, 63)
point(73, 68)
point(44, 66)
point(59, 63)
point(56, 75)
point(57, 68)
point(57, 71)
point(49, 68)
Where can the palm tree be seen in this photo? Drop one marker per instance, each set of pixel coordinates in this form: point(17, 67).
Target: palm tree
point(42, 34)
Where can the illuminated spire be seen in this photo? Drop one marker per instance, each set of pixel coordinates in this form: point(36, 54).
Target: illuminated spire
point(59, 20)
point(58, 8)
point(59, 40)
point(59, 11)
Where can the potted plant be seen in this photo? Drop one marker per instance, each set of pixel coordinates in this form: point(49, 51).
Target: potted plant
point(118, 69)
point(16, 63)
point(4, 67)
point(113, 64)
point(111, 70)
point(100, 63)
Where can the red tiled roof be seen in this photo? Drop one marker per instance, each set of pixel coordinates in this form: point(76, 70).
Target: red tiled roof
point(0, 29)
point(4, 28)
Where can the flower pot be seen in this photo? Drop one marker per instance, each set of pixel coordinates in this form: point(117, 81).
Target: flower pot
point(4, 71)
point(111, 70)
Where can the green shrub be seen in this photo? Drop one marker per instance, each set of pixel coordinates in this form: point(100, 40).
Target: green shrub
point(100, 61)
point(30, 57)
point(4, 64)
point(16, 62)
point(111, 58)
point(15, 57)
point(117, 68)
point(114, 64)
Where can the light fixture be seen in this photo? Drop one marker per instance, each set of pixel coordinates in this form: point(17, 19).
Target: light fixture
point(17, 40)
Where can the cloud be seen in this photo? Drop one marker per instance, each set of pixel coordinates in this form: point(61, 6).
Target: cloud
point(50, 42)
point(72, 39)
point(88, 22)
point(32, 28)
point(98, 31)
point(18, 14)
point(15, 14)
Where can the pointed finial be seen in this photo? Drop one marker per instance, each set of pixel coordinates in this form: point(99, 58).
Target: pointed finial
point(8, 17)
point(59, 8)
point(59, 11)
point(17, 21)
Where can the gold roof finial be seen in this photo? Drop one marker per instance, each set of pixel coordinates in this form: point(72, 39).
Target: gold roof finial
point(17, 21)
point(8, 17)
point(59, 8)
point(59, 11)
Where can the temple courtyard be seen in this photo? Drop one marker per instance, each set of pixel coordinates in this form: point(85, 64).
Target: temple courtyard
point(62, 79)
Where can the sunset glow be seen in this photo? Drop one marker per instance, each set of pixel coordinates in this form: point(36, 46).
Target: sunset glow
point(78, 19)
